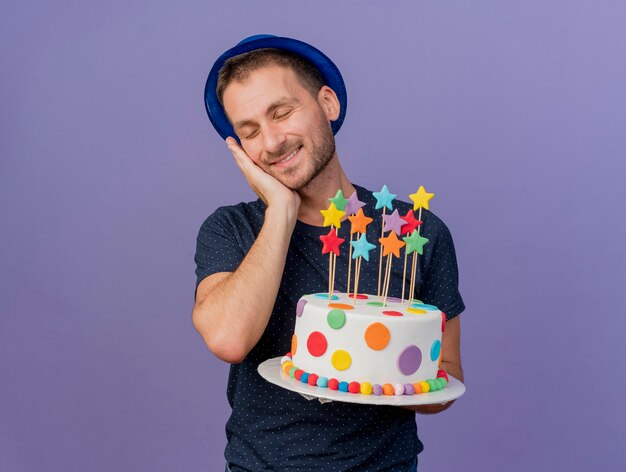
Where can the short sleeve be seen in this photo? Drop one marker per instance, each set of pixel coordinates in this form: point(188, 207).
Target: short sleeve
point(441, 275)
point(217, 247)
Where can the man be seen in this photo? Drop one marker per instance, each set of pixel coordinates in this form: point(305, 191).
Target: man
point(283, 100)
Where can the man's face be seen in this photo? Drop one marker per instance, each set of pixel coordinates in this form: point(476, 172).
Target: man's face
point(283, 129)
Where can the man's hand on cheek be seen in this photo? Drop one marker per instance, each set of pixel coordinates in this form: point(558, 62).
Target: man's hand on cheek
point(267, 187)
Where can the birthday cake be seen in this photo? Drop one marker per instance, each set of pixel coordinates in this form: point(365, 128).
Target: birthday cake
point(369, 344)
point(366, 348)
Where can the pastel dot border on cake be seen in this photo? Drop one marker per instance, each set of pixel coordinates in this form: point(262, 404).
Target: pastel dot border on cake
point(363, 388)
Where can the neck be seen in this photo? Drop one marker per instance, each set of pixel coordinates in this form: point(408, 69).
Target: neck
point(314, 197)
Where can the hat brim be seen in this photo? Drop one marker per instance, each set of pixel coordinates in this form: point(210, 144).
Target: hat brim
point(330, 74)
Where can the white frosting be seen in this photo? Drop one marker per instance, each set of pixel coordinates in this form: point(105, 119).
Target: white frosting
point(368, 365)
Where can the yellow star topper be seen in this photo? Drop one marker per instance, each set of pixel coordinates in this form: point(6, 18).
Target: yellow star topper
point(332, 216)
point(421, 198)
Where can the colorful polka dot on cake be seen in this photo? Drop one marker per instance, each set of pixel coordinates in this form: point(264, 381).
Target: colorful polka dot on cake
point(394, 300)
point(377, 336)
point(300, 306)
point(294, 344)
point(341, 306)
point(435, 350)
point(410, 360)
point(392, 313)
point(316, 344)
point(336, 318)
point(423, 306)
point(341, 360)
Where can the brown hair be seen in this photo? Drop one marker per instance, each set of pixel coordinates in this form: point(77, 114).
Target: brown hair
point(239, 68)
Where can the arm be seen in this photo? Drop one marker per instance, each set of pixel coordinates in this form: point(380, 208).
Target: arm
point(232, 309)
point(450, 362)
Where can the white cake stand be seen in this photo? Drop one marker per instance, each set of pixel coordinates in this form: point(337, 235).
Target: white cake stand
point(270, 370)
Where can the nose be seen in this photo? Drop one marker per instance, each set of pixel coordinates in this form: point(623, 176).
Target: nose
point(273, 140)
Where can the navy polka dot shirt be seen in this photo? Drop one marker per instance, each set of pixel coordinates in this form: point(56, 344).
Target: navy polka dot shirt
point(271, 428)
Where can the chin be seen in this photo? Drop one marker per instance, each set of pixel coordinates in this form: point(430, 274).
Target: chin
point(294, 185)
point(293, 181)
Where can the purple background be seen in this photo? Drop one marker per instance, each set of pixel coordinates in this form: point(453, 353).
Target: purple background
point(513, 113)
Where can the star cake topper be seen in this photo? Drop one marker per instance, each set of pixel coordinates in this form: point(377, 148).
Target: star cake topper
point(393, 222)
point(391, 244)
point(362, 248)
point(359, 222)
point(415, 242)
point(411, 223)
point(384, 198)
point(339, 201)
point(331, 242)
point(332, 216)
point(421, 198)
point(353, 204)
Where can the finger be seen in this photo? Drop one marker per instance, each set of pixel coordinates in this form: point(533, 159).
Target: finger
point(242, 160)
point(235, 148)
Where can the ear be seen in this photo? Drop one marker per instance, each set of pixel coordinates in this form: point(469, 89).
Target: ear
point(327, 98)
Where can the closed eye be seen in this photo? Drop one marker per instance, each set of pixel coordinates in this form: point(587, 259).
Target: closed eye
point(251, 135)
point(282, 114)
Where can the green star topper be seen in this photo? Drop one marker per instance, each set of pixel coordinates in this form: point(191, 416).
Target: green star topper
point(415, 242)
point(339, 201)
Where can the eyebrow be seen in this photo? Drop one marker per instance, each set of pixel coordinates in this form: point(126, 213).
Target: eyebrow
point(273, 106)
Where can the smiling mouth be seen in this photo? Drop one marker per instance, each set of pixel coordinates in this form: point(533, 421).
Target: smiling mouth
point(289, 157)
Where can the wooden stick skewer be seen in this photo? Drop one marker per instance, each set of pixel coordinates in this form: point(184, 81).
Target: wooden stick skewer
point(357, 273)
point(414, 267)
point(330, 273)
point(380, 260)
point(387, 279)
point(412, 285)
point(332, 276)
point(349, 266)
point(404, 274)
